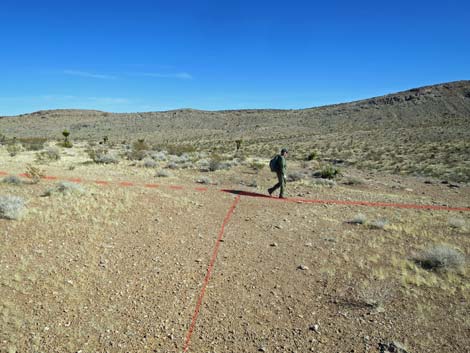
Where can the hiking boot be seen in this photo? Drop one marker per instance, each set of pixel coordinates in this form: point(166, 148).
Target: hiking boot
point(270, 192)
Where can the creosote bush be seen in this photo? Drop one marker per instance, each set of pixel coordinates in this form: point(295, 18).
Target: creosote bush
point(11, 207)
point(358, 219)
point(328, 172)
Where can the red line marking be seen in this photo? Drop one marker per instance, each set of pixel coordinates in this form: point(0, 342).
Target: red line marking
point(75, 180)
point(350, 203)
point(209, 273)
point(24, 175)
point(101, 182)
point(3, 173)
point(201, 189)
point(126, 183)
point(152, 185)
point(176, 187)
point(49, 177)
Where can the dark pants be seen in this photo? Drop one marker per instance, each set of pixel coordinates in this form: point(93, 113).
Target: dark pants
point(281, 184)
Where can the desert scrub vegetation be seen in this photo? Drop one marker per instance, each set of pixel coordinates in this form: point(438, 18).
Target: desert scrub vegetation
point(358, 219)
point(440, 258)
point(139, 150)
point(14, 148)
point(65, 188)
point(101, 155)
point(327, 172)
point(458, 223)
point(12, 179)
point(149, 163)
point(163, 174)
point(49, 154)
point(33, 143)
point(34, 173)
point(374, 294)
point(11, 207)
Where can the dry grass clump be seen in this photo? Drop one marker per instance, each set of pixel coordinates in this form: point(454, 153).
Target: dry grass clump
point(296, 176)
point(358, 219)
point(65, 188)
point(34, 173)
point(375, 294)
point(458, 223)
point(327, 172)
point(378, 224)
point(12, 179)
point(440, 257)
point(13, 149)
point(11, 207)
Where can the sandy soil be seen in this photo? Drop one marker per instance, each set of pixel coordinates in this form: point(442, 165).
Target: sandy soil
point(120, 268)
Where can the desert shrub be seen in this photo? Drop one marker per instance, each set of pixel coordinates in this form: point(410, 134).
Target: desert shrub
point(440, 257)
point(204, 180)
point(12, 179)
point(163, 174)
point(378, 224)
point(159, 156)
point(311, 156)
point(33, 143)
point(256, 165)
point(203, 165)
point(375, 294)
point(65, 188)
point(353, 181)
point(456, 223)
point(34, 173)
point(323, 182)
point(149, 163)
point(48, 155)
point(11, 207)
point(295, 176)
point(327, 172)
point(13, 149)
point(101, 155)
point(138, 151)
point(358, 219)
point(215, 163)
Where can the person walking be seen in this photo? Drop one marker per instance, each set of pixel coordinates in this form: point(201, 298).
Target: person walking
point(281, 173)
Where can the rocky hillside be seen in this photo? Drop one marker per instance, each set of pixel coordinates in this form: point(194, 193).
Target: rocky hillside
point(423, 130)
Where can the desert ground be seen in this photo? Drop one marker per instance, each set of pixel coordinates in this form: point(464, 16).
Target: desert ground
point(114, 257)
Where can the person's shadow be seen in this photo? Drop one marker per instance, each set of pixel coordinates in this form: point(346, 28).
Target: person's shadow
point(245, 193)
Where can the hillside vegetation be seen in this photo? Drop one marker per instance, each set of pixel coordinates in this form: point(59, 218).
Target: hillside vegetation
point(423, 131)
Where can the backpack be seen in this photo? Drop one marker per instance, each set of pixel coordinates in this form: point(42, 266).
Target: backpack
point(275, 164)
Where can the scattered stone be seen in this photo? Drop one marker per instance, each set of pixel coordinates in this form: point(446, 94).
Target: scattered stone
point(393, 347)
point(277, 227)
point(262, 349)
point(273, 244)
point(453, 186)
point(302, 267)
point(314, 328)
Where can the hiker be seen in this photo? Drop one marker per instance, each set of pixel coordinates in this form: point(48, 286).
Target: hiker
point(278, 165)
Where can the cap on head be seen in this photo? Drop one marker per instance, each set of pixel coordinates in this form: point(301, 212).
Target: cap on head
point(284, 150)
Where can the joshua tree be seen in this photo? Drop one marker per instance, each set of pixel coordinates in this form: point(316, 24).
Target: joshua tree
point(66, 135)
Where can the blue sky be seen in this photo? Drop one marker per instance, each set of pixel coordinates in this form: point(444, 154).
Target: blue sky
point(156, 55)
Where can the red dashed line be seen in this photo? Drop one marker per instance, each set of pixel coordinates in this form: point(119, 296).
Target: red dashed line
point(209, 273)
point(101, 182)
point(75, 180)
point(176, 187)
point(252, 194)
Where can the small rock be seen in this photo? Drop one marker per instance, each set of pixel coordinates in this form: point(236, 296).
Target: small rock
point(315, 328)
point(302, 267)
point(262, 349)
point(277, 227)
point(273, 244)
